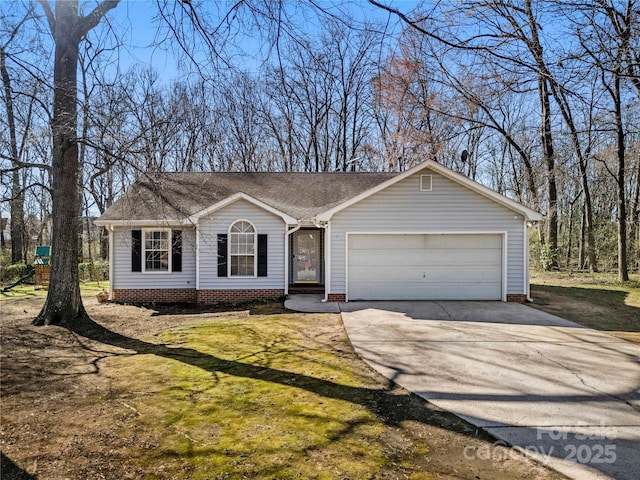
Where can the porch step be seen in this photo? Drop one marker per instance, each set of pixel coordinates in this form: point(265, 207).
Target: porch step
point(308, 289)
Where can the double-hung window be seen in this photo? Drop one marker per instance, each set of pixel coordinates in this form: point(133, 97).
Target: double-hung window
point(242, 249)
point(156, 251)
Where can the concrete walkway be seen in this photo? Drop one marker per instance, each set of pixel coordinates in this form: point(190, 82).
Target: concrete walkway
point(310, 304)
point(568, 395)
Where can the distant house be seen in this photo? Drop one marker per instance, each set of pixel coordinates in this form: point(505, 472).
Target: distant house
point(428, 233)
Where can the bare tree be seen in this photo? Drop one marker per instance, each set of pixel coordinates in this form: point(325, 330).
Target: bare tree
point(64, 304)
point(18, 233)
point(607, 37)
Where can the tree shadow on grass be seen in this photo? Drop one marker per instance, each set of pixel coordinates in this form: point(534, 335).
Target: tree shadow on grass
point(392, 404)
point(601, 309)
point(254, 308)
point(11, 471)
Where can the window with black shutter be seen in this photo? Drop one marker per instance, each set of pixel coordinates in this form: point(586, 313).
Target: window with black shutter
point(176, 251)
point(262, 255)
point(222, 254)
point(136, 250)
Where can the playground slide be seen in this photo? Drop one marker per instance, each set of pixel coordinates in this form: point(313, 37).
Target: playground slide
point(20, 280)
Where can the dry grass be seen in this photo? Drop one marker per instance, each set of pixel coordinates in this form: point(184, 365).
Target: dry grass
point(595, 300)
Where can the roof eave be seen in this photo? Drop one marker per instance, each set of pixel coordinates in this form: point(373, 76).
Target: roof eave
point(288, 219)
point(142, 223)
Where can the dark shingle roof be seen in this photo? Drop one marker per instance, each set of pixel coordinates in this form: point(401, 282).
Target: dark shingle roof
point(174, 196)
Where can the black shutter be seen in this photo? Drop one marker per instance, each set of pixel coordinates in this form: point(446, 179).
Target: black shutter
point(176, 250)
point(136, 250)
point(262, 255)
point(222, 254)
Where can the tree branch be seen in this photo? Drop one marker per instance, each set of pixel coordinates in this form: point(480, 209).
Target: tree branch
point(51, 19)
point(93, 18)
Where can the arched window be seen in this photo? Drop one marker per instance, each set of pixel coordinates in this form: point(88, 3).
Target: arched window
point(242, 249)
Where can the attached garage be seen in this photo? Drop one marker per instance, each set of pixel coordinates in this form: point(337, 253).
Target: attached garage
point(466, 266)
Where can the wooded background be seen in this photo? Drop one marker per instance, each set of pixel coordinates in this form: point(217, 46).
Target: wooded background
point(538, 100)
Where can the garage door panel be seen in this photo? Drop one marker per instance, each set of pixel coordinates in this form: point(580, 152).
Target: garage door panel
point(470, 274)
point(419, 291)
point(463, 258)
point(386, 242)
point(433, 275)
point(461, 241)
point(425, 267)
point(386, 275)
point(463, 292)
point(385, 257)
point(381, 291)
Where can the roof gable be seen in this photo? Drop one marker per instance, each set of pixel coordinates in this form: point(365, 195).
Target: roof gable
point(528, 213)
point(289, 220)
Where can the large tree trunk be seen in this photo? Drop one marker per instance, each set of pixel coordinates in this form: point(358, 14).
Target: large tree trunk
point(64, 304)
point(623, 272)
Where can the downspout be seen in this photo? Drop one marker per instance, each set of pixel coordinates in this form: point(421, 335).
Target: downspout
point(505, 265)
point(110, 230)
point(286, 256)
point(327, 258)
point(197, 260)
point(527, 281)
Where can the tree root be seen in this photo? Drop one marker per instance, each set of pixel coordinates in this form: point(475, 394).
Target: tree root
point(61, 317)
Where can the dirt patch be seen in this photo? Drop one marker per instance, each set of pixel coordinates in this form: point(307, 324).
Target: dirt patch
point(62, 417)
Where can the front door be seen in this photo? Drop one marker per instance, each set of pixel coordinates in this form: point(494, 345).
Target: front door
point(306, 256)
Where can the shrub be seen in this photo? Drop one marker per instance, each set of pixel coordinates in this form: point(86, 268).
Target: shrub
point(89, 271)
point(548, 257)
point(94, 271)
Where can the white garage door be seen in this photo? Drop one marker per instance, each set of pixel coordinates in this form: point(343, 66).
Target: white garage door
point(425, 267)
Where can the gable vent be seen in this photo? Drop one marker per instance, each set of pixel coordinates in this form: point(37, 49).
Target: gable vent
point(425, 183)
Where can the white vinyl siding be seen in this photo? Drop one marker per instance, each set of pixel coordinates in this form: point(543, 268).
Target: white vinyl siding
point(448, 208)
point(219, 222)
point(124, 278)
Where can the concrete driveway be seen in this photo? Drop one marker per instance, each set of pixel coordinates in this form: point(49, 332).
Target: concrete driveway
point(567, 394)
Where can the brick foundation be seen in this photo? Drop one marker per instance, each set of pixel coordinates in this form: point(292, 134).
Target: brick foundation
point(215, 296)
point(155, 295)
point(336, 297)
point(516, 298)
point(191, 295)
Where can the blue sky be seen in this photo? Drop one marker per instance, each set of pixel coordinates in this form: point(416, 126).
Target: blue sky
point(135, 21)
point(137, 25)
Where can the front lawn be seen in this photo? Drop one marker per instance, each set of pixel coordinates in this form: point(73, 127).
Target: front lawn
point(167, 394)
